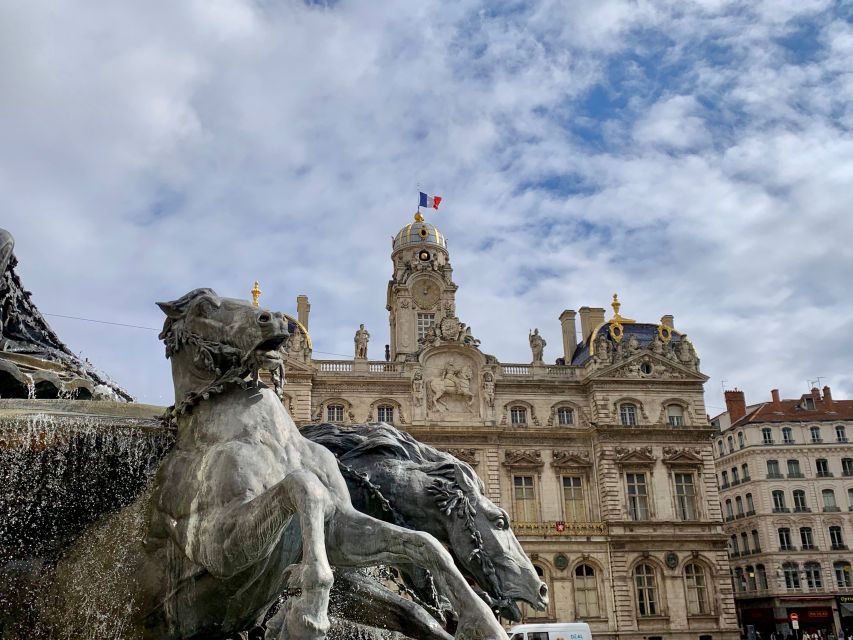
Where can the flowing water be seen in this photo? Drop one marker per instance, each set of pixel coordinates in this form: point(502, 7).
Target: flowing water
point(58, 475)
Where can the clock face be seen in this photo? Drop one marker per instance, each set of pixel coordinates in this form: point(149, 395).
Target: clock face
point(426, 293)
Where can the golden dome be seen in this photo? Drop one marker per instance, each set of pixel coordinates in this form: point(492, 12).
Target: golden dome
point(418, 233)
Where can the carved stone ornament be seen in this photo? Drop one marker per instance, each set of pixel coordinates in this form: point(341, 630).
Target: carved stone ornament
point(523, 458)
point(448, 331)
point(465, 455)
point(686, 456)
point(570, 459)
point(634, 455)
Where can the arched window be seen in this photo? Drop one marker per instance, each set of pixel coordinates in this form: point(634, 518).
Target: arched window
point(843, 574)
point(740, 581)
point(829, 503)
point(586, 592)
point(815, 434)
point(335, 413)
point(750, 578)
point(565, 416)
point(675, 415)
point(645, 583)
point(800, 501)
point(767, 435)
point(756, 542)
point(744, 540)
point(733, 540)
point(750, 505)
point(739, 506)
point(840, 433)
point(628, 414)
point(850, 498)
point(779, 501)
point(813, 575)
point(847, 467)
point(792, 575)
point(721, 447)
point(518, 415)
point(762, 576)
point(385, 413)
point(744, 471)
point(731, 442)
point(787, 435)
point(725, 476)
point(785, 543)
point(729, 513)
point(698, 603)
point(740, 440)
point(735, 476)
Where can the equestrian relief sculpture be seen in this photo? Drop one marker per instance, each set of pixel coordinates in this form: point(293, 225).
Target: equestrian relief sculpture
point(244, 508)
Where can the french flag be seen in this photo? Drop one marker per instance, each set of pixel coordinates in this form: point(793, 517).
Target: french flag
point(431, 202)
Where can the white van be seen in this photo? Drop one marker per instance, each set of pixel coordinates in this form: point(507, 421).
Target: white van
point(552, 631)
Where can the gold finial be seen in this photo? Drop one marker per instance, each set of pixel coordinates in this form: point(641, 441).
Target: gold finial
point(616, 306)
point(256, 293)
point(419, 217)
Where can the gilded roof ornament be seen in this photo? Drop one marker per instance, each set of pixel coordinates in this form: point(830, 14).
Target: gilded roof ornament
point(256, 293)
point(419, 217)
point(616, 317)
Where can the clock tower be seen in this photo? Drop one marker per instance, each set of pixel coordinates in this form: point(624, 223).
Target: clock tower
point(421, 291)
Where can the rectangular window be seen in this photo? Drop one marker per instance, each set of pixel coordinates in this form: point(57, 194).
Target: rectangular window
point(794, 469)
point(847, 466)
point(425, 321)
point(385, 413)
point(815, 433)
point(822, 468)
point(835, 538)
point(628, 415)
point(840, 433)
point(806, 538)
point(773, 469)
point(685, 497)
point(573, 499)
point(785, 540)
point(524, 499)
point(638, 497)
point(766, 436)
point(335, 413)
point(518, 415)
point(565, 416)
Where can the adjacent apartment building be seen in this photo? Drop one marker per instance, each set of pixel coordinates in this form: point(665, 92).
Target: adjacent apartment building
point(785, 472)
point(602, 456)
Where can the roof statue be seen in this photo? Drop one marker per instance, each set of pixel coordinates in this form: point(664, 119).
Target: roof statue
point(34, 362)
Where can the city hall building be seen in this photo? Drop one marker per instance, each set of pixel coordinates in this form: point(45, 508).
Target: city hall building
point(603, 459)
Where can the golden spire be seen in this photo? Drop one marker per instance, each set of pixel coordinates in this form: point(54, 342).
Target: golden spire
point(256, 293)
point(419, 217)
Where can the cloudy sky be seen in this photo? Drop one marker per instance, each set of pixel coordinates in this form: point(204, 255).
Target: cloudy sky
point(696, 157)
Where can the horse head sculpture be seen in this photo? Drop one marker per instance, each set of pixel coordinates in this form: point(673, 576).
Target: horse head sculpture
point(393, 476)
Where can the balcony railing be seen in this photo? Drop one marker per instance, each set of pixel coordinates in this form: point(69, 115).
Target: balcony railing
point(549, 529)
point(749, 513)
point(839, 547)
point(796, 474)
point(774, 476)
point(824, 474)
point(781, 510)
point(831, 509)
point(724, 485)
point(802, 510)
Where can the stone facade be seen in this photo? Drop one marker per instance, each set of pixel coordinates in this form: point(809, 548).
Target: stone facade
point(558, 446)
point(785, 471)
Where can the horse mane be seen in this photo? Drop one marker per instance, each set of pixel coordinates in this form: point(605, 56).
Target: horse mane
point(380, 440)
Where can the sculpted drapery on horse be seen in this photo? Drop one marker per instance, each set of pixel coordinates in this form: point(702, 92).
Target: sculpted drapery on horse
point(453, 380)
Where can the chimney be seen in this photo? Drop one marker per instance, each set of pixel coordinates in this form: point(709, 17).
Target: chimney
point(777, 402)
point(827, 398)
point(735, 405)
point(591, 317)
point(570, 334)
point(303, 308)
point(667, 321)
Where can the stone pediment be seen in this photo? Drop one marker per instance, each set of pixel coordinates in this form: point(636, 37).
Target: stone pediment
point(565, 459)
point(686, 456)
point(523, 458)
point(648, 366)
point(468, 456)
point(635, 456)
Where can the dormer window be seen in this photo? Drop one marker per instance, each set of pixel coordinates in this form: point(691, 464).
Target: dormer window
point(808, 403)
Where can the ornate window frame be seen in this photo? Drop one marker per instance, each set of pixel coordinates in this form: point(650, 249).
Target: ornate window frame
point(641, 415)
point(579, 418)
point(686, 413)
point(322, 413)
point(373, 412)
point(532, 419)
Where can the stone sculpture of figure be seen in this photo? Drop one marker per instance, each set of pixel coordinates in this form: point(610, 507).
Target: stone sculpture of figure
point(469, 339)
point(362, 337)
point(602, 349)
point(686, 354)
point(418, 388)
point(452, 381)
point(387, 353)
point(297, 342)
point(657, 345)
point(633, 344)
point(537, 345)
point(489, 389)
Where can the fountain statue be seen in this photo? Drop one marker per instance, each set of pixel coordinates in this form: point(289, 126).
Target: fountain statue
point(222, 520)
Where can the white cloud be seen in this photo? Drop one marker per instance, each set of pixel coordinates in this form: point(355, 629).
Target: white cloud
point(149, 149)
